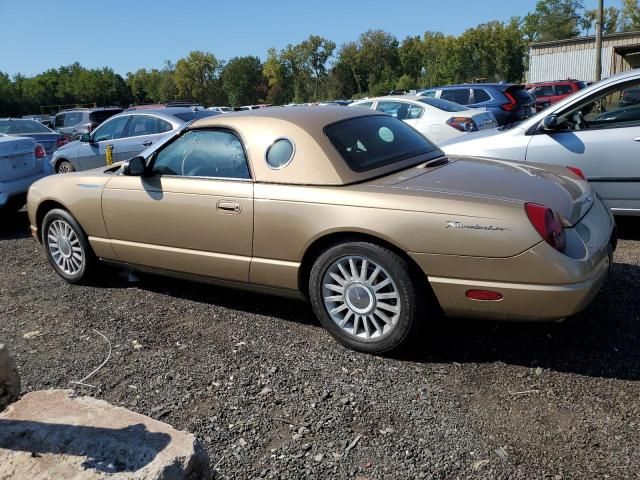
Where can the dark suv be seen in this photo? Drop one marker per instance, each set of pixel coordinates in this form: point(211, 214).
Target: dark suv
point(509, 103)
point(548, 93)
point(74, 122)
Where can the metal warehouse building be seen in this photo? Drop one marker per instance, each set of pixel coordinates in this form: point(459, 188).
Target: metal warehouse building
point(575, 57)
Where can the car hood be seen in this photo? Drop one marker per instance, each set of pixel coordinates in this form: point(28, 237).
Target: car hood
point(554, 187)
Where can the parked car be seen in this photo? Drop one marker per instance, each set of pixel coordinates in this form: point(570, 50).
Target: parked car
point(74, 122)
point(508, 103)
point(22, 162)
point(589, 129)
point(46, 120)
point(127, 134)
point(348, 207)
point(46, 137)
point(548, 93)
point(435, 118)
point(220, 109)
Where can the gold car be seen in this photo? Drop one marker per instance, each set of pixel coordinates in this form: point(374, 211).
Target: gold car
point(352, 209)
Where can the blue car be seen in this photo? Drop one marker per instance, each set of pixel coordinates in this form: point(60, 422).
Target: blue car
point(509, 103)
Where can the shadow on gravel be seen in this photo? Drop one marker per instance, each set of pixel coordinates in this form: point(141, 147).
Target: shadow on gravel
point(107, 450)
point(628, 228)
point(602, 341)
point(14, 226)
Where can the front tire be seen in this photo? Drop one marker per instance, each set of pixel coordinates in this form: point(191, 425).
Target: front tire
point(364, 295)
point(67, 247)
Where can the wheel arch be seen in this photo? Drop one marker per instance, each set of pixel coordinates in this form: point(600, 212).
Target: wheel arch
point(322, 243)
point(43, 208)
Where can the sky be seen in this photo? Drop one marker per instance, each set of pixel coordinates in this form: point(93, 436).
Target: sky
point(36, 35)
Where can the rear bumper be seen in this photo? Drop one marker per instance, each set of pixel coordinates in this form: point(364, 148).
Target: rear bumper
point(521, 302)
point(19, 186)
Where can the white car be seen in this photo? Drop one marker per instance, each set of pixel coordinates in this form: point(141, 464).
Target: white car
point(220, 109)
point(22, 162)
point(436, 119)
point(596, 129)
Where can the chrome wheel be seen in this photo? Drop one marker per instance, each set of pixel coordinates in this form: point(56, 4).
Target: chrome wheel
point(361, 297)
point(64, 246)
point(65, 167)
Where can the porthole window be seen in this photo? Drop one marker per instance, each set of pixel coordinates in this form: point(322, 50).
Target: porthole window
point(280, 153)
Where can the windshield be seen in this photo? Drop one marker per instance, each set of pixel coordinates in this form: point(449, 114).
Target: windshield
point(188, 116)
point(444, 105)
point(22, 126)
point(376, 141)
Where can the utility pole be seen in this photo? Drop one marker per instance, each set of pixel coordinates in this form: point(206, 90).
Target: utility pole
point(599, 22)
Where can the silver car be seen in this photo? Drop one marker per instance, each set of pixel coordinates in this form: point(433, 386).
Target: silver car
point(126, 134)
point(596, 129)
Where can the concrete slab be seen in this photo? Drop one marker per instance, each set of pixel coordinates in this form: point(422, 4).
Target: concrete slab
point(52, 435)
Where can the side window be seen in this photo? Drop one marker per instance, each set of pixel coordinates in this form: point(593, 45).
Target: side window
point(608, 109)
point(414, 112)
point(203, 153)
point(458, 95)
point(147, 125)
point(58, 122)
point(111, 129)
point(72, 118)
point(428, 93)
point(544, 91)
point(563, 89)
point(399, 110)
point(480, 95)
point(365, 105)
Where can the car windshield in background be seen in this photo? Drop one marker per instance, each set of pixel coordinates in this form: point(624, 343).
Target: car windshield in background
point(11, 127)
point(101, 115)
point(376, 141)
point(444, 105)
point(188, 116)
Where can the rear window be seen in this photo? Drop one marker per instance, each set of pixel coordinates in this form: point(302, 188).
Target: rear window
point(520, 94)
point(188, 116)
point(444, 105)
point(366, 143)
point(22, 126)
point(101, 115)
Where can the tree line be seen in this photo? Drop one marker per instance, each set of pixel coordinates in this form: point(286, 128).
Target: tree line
point(316, 69)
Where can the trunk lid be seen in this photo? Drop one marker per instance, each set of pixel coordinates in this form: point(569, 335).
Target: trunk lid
point(554, 187)
point(17, 158)
point(482, 118)
point(47, 140)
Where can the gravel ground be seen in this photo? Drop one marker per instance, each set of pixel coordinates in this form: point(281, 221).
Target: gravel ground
point(271, 395)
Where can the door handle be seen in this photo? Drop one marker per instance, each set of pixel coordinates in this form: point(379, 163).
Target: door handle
point(228, 206)
point(110, 146)
point(147, 143)
point(637, 139)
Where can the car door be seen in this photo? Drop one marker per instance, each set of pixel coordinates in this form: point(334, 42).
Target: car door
point(142, 132)
point(192, 212)
point(602, 137)
point(93, 154)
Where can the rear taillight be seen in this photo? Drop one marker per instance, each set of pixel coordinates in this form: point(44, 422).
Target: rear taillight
point(577, 171)
point(464, 124)
point(39, 151)
point(61, 141)
point(547, 224)
point(512, 102)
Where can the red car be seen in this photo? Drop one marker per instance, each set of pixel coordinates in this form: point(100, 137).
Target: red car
point(548, 93)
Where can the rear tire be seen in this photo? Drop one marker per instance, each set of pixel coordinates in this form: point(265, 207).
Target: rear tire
point(65, 166)
point(364, 295)
point(67, 247)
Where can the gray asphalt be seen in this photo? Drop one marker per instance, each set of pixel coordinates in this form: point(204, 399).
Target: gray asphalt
point(271, 395)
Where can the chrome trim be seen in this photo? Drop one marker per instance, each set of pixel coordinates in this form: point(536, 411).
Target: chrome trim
point(284, 165)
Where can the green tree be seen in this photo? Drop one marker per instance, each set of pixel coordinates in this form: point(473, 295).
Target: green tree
point(411, 53)
point(316, 52)
point(196, 78)
point(380, 58)
point(609, 25)
point(276, 75)
point(553, 20)
point(441, 60)
point(242, 79)
point(630, 16)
